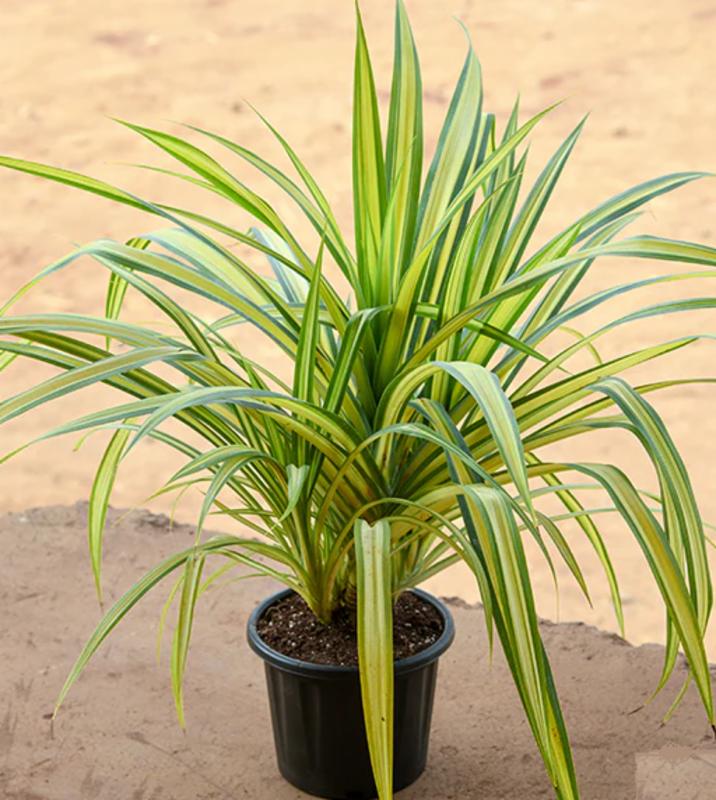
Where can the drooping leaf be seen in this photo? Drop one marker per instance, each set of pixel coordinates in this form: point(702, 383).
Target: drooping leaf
point(375, 646)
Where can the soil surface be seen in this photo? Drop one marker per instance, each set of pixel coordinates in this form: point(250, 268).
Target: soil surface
point(117, 738)
point(643, 70)
point(291, 628)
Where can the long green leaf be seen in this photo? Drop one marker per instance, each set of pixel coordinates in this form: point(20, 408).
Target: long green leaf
point(99, 500)
point(369, 185)
point(375, 646)
point(193, 568)
point(404, 146)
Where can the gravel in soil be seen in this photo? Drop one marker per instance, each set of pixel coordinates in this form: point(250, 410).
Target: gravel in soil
point(290, 627)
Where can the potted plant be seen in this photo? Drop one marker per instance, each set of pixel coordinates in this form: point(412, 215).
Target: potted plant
point(415, 431)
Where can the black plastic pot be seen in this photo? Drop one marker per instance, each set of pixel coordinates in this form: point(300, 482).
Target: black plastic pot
point(317, 715)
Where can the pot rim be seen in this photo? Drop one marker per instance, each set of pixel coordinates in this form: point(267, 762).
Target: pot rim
point(309, 669)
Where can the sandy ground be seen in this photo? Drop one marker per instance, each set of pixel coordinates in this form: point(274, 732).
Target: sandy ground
point(643, 70)
point(117, 738)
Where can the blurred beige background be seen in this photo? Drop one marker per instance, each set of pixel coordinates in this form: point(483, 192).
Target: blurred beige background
point(643, 69)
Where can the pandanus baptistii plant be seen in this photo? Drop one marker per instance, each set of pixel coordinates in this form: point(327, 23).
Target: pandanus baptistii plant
point(416, 430)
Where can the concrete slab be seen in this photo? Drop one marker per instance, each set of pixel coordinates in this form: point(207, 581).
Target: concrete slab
point(117, 738)
point(676, 773)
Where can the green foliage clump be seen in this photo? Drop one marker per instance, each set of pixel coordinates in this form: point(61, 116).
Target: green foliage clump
point(413, 434)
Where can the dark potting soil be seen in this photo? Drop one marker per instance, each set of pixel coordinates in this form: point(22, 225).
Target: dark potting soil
point(290, 627)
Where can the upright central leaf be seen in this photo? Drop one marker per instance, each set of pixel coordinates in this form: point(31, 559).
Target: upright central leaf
point(404, 151)
point(369, 188)
point(305, 367)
